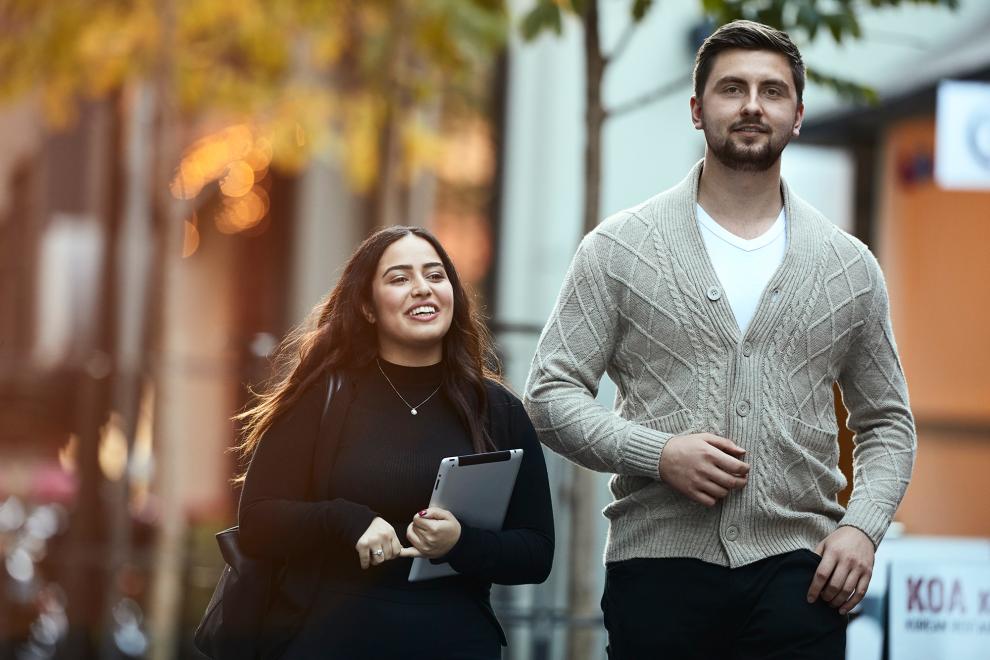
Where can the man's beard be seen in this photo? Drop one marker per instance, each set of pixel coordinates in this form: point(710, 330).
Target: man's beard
point(746, 159)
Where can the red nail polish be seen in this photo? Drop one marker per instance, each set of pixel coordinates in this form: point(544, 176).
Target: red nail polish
point(422, 513)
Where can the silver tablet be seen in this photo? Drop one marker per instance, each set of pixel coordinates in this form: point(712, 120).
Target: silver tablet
point(476, 489)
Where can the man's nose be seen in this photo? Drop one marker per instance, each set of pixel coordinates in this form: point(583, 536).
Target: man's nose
point(752, 105)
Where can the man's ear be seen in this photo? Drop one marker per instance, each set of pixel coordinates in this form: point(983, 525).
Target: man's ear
point(696, 113)
point(798, 120)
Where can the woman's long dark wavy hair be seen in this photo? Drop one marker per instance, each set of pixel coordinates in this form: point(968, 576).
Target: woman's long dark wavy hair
point(338, 337)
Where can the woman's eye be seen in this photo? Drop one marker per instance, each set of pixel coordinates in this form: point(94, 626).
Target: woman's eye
point(397, 280)
point(436, 277)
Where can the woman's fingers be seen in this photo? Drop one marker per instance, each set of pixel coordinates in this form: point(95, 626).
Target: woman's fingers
point(426, 529)
point(435, 513)
point(378, 544)
point(363, 551)
point(416, 539)
point(385, 547)
point(426, 524)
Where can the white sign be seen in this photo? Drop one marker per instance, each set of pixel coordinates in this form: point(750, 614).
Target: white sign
point(962, 136)
point(939, 611)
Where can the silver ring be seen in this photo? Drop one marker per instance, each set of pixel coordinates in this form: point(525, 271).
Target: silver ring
point(378, 553)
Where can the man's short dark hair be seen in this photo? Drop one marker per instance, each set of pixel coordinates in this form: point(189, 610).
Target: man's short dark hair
point(747, 35)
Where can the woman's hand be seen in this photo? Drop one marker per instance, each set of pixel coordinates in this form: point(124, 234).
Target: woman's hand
point(433, 532)
point(378, 544)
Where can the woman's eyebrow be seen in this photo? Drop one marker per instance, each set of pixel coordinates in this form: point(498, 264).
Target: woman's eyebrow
point(432, 264)
point(398, 267)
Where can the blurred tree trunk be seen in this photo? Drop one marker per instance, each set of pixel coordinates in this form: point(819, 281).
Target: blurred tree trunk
point(86, 573)
point(131, 263)
point(170, 548)
point(595, 115)
point(582, 640)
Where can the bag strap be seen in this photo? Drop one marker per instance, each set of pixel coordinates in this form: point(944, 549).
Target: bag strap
point(333, 385)
point(332, 425)
point(334, 382)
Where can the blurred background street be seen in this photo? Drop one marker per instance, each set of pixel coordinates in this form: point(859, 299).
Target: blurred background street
point(180, 181)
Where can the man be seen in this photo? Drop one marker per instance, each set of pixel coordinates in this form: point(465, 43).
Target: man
point(724, 310)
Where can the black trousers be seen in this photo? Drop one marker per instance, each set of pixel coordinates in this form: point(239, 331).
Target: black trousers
point(686, 609)
point(388, 624)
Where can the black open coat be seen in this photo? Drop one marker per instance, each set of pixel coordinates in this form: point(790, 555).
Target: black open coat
point(285, 514)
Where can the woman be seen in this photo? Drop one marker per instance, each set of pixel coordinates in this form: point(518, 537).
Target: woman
point(344, 504)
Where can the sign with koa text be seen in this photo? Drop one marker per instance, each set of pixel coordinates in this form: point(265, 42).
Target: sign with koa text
point(939, 611)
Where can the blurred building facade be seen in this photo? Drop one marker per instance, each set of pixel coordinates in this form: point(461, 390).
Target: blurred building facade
point(140, 302)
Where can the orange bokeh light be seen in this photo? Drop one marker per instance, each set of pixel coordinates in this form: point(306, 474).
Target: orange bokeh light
point(238, 180)
point(238, 214)
point(232, 155)
point(190, 240)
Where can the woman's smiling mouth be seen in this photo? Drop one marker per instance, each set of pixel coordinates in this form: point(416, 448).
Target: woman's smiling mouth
point(426, 312)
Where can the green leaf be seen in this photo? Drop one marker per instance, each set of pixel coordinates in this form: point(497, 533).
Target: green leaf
point(834, 24)
point(950, 4)
point(851, 24)
point(845, 88)
point(640, 9)
point(712, 7)
point(544, 16)
point(725, 11)
point(772, 16)
point(807, 17)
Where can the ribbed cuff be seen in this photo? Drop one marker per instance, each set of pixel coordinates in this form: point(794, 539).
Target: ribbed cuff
point(347, 520)
point(867, 518)
point(464, 555)
point(641, 453)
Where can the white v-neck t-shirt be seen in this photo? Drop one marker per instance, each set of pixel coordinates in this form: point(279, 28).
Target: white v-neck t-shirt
point(744, 266)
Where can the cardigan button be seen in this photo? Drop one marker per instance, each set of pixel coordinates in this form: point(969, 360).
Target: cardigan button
point(747, 349)
point(742, 408)
point(731, 533)
point(714, 293)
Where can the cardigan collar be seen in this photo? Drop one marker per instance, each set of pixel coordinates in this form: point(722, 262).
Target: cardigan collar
point(678, 219)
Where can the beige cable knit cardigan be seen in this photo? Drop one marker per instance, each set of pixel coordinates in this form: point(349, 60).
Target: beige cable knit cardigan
point(642, 302)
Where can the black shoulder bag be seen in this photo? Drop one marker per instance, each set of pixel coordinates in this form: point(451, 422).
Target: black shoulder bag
point(234, 619)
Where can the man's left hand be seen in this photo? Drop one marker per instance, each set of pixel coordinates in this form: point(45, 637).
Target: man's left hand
point(845, 570)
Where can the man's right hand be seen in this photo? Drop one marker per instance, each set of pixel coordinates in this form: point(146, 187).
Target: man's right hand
point(703, 467)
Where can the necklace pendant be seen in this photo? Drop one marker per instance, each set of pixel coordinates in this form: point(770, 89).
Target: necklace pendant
point(412, 411)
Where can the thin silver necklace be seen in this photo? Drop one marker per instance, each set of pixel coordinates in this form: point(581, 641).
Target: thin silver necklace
point(412, 409)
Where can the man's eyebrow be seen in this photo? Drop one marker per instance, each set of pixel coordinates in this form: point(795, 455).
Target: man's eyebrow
point(731, 79)
point(763, 83)
point(432, 264)
point(776, 82)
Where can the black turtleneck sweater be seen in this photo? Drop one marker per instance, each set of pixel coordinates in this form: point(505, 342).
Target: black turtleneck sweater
point(385, 465)
point(387, 458)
